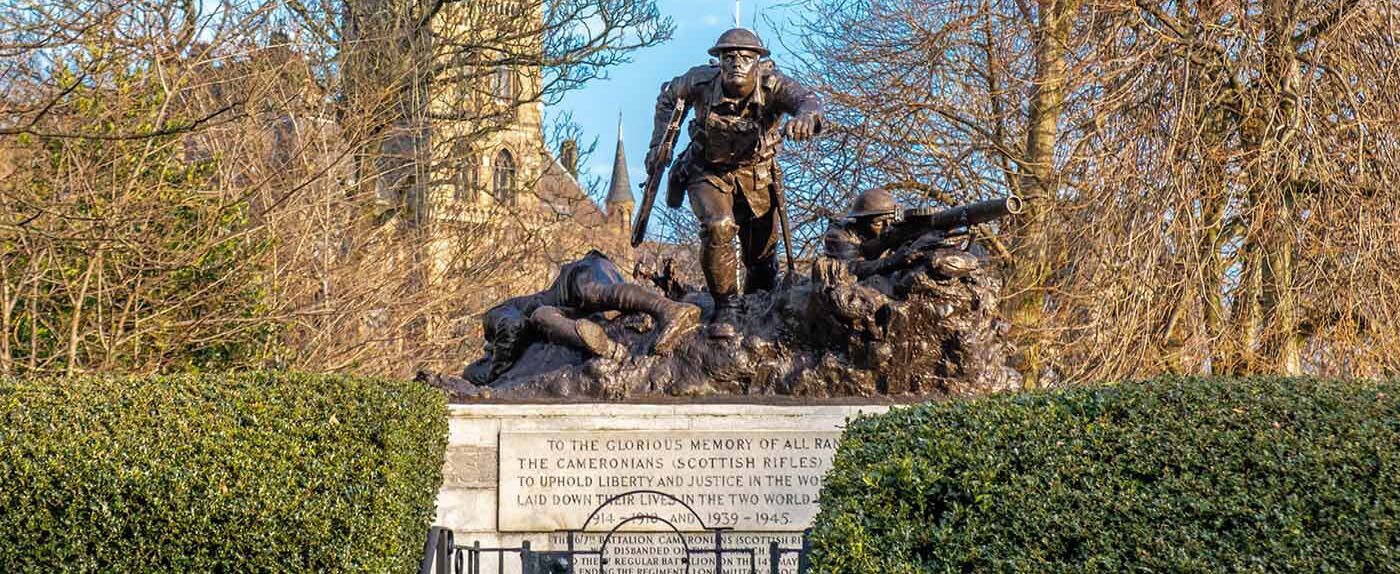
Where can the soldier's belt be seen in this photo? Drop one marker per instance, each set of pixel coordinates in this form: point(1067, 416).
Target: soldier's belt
point(734, 166)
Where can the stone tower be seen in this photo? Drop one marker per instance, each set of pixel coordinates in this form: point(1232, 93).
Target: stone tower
point(495, 194)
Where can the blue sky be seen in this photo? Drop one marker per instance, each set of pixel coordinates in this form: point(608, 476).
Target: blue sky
point(632, 88)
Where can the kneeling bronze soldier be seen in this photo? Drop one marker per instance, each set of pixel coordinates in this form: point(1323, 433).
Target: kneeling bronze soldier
point(559, 314)
point(864, 242)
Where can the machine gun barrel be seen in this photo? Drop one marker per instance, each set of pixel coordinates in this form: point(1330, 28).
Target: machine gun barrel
point(964, 215)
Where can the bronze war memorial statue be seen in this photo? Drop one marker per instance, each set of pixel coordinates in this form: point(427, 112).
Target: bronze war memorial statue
point(901, 302)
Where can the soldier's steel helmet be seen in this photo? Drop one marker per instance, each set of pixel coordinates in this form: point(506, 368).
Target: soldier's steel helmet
point(738, 39)
point(873, 202)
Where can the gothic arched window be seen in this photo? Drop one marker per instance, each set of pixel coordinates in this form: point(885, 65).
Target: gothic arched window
point(504, 182)
point(469, 178)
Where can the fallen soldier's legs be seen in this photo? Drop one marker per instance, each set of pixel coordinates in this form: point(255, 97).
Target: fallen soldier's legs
point(580, 334)
point(673, 319)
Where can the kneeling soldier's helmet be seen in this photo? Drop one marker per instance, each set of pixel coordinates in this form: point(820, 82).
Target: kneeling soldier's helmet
point(873, 202)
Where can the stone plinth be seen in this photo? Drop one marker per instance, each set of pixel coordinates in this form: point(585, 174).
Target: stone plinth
point(517, 472)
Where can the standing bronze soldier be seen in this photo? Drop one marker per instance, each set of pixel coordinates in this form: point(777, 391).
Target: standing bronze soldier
point(728, 169)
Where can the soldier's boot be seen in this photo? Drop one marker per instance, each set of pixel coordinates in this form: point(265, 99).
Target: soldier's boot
point(720, 265)
point(722, 325)
point(580, 334)
point(674, 321)
point(673, 318)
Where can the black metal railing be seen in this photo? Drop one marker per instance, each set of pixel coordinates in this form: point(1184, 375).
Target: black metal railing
point(441, 555)
point(776, 552)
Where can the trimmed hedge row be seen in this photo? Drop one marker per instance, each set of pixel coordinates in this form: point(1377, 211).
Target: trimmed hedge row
point(232, 473)
point(1168, 475)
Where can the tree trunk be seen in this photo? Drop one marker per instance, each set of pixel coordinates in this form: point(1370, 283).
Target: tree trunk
point(33, 308)
point(7, 306)
point(1281, 349)
point(1248, 311)
point(1031, 257)
point(1212, 282)
point(1280, 304)
point(73, 333)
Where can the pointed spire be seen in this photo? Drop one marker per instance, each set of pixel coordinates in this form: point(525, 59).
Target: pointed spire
point(621, 189)
point(737, 23)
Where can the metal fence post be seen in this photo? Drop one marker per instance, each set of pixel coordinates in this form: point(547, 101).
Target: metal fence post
point(719, 552)
point(804, 561)
point(425, 566)
point(444, 552)
point(474, 565)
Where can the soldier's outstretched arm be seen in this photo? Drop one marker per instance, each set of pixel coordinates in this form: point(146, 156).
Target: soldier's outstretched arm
point(803, 104)
point(902, 258)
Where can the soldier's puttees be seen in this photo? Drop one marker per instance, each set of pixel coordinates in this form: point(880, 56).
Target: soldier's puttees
point(728, 170)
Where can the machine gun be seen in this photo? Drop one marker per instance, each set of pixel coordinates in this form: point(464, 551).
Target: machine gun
point(920, 220)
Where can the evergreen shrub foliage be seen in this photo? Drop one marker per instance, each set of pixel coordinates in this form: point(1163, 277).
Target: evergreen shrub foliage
point(1168, 475)
point(254, 472)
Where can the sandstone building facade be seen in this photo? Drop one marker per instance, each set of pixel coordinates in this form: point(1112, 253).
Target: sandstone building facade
point(497, 190)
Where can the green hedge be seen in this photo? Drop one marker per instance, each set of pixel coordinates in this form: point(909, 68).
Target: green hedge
point(237, 473)
point(1158, 476)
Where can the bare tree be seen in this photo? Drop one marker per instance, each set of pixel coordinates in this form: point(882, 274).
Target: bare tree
point(253, 183)
point(1202, 178)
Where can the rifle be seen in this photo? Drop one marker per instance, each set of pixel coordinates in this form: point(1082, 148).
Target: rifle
point(780, 198)
point(921, 220)
point(655, 169)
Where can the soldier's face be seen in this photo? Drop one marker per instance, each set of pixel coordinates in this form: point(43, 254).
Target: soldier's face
point(881, 225)
point(737, 69)
point(876, 225)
